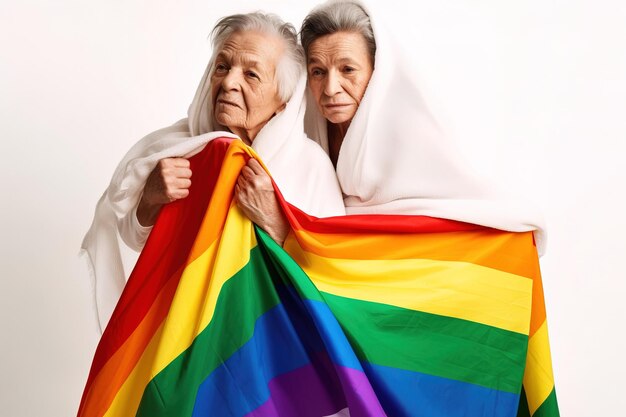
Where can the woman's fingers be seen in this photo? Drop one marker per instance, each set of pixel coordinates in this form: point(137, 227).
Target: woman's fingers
point(242, 182)
point(178, 194)
point(183, 172)
point(254, 165)
point(247, 173)
point(174, 173)
point(241, 199)
point(178, 162)
point(183, 183)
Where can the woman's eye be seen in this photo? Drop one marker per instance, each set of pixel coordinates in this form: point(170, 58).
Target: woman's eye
point(253, 74)
point(316, 72)
point(349, 69)
point(221, 68)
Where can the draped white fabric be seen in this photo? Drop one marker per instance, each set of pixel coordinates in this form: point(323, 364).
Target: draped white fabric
point(298, 165)
point(396, 159)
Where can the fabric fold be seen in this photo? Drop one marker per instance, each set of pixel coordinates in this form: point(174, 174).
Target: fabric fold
point(363, 315)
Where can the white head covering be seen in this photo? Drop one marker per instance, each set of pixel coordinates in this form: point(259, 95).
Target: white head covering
point(299, 167)
point(396, 159)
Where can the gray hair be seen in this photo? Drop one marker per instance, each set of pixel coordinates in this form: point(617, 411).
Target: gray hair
point(291, 64)
point(337, 16)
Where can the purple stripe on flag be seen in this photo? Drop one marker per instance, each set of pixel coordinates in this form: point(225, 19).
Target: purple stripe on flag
point(315, 390)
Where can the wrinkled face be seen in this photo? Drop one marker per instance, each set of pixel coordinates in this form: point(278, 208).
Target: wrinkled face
point(339, 68)
point(244, 88)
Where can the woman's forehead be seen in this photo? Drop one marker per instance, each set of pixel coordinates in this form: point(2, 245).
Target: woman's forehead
point(338, 47)
point(252, 48)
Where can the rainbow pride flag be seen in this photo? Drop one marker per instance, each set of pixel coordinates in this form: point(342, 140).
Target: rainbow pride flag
point(368, 315)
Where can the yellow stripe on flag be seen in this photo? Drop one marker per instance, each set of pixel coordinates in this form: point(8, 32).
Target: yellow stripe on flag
point(455, 289)
point(197, 294)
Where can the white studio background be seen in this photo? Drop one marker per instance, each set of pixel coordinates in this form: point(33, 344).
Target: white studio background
point(534, 92)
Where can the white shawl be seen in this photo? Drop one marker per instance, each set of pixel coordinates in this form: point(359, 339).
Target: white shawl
point(298, 165)
point(396, 159)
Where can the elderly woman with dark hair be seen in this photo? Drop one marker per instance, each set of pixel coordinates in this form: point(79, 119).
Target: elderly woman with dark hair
point(341, 49)
point(367, 112)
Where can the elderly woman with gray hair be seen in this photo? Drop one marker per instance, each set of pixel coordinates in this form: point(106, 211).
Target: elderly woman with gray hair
point(253, 89)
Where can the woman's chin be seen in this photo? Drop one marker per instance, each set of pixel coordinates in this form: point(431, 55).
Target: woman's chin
point(339, 118)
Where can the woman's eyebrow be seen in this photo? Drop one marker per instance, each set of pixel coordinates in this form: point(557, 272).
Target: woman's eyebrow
point(340, 60)
point(344, 60)
point(313, 60)
point(222, 55)
point(251, 62)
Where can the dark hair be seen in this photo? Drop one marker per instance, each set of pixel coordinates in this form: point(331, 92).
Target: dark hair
point(337, 16)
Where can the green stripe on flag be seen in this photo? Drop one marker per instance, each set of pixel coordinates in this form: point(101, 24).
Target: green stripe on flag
point(549, 408)
point(436, 345)
point(523, 410)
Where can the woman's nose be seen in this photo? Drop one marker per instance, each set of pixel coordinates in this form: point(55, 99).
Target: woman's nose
point(232, 80)
point(332, 85)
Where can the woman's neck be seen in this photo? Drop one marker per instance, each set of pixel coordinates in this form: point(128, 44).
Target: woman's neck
point(336, 133)
point(247, 136)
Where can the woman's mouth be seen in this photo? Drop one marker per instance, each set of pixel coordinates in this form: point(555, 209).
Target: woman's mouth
point(227, 103)
point(337, 105)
